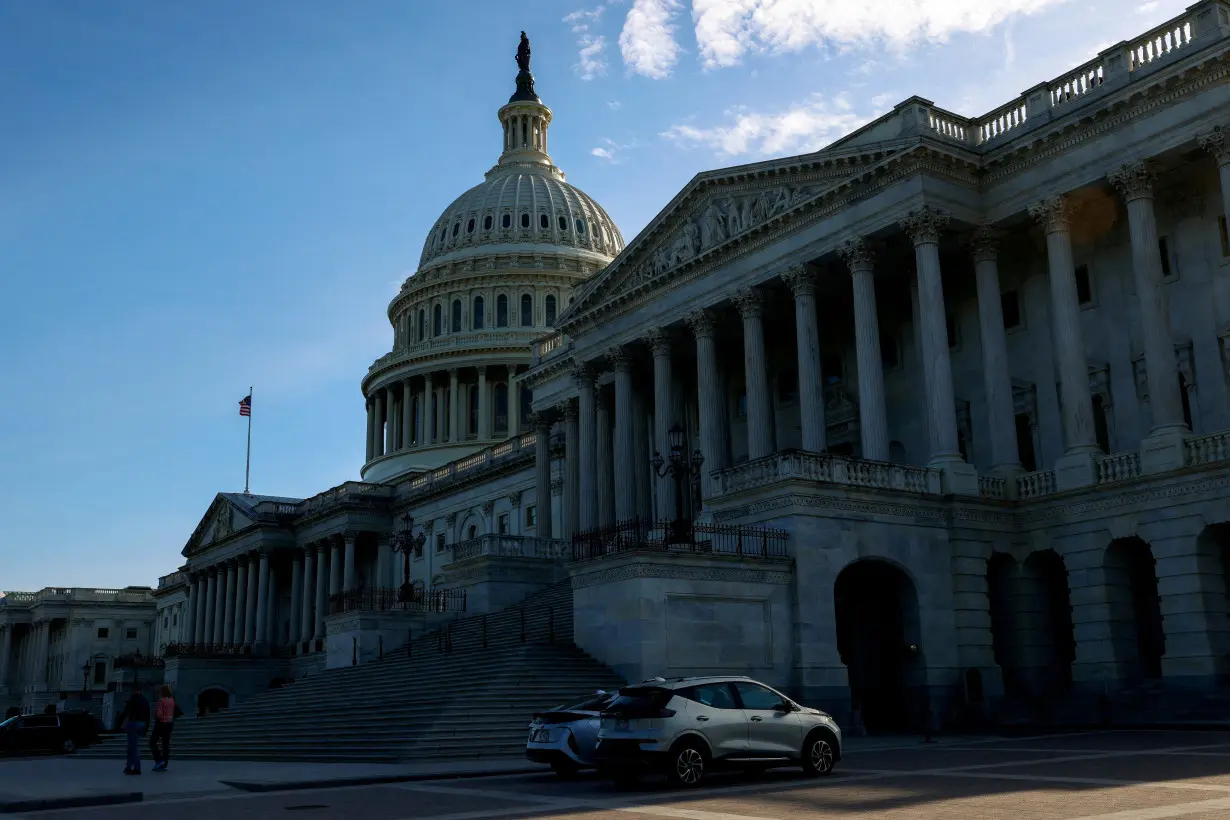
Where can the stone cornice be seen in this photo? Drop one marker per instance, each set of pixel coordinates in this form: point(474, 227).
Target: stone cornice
point(539, 375)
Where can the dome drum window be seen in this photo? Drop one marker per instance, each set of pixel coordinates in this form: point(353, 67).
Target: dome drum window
point(507, 221)
point(487, 222)
point(544, 221)
point(527, 310)
point(525, 220)
point(563, 223)
point(456, 228)
point(581, 227)
point(456, 323)
point(478, 318)
point(470, 226)
point(501, 311)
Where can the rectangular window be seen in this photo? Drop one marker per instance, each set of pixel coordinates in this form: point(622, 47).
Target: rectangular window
point(531, 516)
point(103, 632)
point(100, 672)
point(130, 634)
point(1225, 236)
point(1010, 306)
point(1163, 248)
point(1084, 285)
point(503, 524)
point(440, 542)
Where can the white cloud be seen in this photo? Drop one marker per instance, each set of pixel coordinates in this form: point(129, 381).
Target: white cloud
point(614, 105)
point(727, 29)
point(590, 62)
point(612, 151)
point(602, 153)
point(807, 126)
point(647, 41)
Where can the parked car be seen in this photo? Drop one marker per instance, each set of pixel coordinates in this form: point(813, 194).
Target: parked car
point(81, 726)
point(685, 727)
point(36, 733)
point(565, 736)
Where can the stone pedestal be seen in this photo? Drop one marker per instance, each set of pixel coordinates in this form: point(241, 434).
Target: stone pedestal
point(957, 477)
point(496, 582)
point(1163, 451)
point(1076, 469)
point(355, 638)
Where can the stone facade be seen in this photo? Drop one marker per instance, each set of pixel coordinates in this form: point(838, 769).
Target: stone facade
point(958, 389)
point(58, 643)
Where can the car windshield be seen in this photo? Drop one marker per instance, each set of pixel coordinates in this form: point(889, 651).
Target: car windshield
point(593, 703)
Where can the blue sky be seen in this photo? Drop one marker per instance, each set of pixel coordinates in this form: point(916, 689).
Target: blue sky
point(201, 195)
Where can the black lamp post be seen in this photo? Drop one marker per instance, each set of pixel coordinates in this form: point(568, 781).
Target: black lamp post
point(680, 468)
point(85, 676)
point(406, 542)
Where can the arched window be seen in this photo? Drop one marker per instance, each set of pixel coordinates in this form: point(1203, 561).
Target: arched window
point(422, 324)
point(527, 310)
point(501, 311)
point(456, 228)
point(478, 313)
point(543, 221)
point(470, 226)
point(580, 226)
point(487, 222)
point(437, 320)
point(507, 221)
point(525, 220)
point(550, 310)
point(563, 223)
point(501, 408)
point(472, 532)
point(456, 315)
point(472, 427)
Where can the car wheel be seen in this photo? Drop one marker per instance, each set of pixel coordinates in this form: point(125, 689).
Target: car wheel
point(687, 765)
point(564, 768)
point(68, 746)
point(818, 755)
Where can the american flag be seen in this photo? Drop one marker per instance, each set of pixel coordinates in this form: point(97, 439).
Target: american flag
point(245, 405)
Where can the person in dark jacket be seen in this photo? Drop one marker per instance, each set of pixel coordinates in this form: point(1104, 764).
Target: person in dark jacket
point(135, 720)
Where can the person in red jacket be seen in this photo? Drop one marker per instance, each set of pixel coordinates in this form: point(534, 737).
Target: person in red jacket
point(165, 712)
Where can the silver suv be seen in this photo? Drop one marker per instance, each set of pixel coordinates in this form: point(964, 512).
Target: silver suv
point(682, 727)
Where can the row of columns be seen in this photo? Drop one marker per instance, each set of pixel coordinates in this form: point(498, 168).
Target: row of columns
point(34, 652)
point(399, 417)
point(924, 227)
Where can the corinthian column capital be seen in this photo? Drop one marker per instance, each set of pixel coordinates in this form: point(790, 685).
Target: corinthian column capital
point(660, 341)
point(984, 244)
point(749, 303)
point(620, 358)
point(1215, 143)
point(858, 255)
point(702, 323)
point(1052, 213)
point(800, 279)
point(1132, 181)
point(925, 225)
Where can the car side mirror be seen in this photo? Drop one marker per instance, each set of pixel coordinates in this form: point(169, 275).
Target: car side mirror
point(784, 706)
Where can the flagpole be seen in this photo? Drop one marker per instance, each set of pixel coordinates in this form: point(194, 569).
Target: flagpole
point(247, 467)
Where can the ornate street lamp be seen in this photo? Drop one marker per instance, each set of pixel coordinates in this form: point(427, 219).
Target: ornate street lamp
point(406, 542)
point(85, 676)
point(680, 468)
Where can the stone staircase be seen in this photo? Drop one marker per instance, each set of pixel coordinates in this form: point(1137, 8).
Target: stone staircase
point(464, 691)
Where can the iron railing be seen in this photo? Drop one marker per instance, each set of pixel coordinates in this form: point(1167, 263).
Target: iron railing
point(184, 650)
point(379, 599)
point(510, 546)
point(680, 536)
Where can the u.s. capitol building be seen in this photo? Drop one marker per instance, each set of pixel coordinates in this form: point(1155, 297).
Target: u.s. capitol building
point(942, 408)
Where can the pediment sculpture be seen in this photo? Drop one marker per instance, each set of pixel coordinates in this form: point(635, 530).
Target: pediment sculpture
point(224, 522)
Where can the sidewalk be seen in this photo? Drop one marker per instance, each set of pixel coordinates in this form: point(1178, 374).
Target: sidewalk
point(38, 783)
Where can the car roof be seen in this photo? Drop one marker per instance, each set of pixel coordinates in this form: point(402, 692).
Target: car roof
point(694, 680)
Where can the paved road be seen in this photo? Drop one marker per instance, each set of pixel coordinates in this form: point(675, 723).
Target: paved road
point(1079, 776)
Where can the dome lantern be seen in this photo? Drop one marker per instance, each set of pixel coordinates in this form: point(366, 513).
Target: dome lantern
point(525, 119)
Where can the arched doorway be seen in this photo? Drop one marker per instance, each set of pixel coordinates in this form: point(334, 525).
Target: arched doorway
point(1045, 609)
point(1213, 548)
point(878, 640)
point(1135, 608)
point(212, 700)
point(1003, 584)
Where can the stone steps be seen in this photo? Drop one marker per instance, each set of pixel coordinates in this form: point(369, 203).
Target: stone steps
point(474, 701)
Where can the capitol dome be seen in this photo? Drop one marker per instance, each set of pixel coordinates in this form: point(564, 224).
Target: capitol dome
point(497, 268)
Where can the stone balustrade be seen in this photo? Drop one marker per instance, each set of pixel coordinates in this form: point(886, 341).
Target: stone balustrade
point(550, 346)
point(174, 579)
point(511, 546)
point(342, 493)
point(1035, 485)
point(828, 469)
point(490, 456)
point(75, 594)
point(1118, 467)
point(1208, 448)
point(990, 486)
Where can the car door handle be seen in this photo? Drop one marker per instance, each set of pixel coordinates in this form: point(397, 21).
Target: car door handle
point(701, 717)
point(757, 718)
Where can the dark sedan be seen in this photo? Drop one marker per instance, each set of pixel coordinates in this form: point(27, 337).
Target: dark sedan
point(29, 734)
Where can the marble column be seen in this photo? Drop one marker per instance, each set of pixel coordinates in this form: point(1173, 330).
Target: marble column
point(335, 567)
point(271, 605)
point(220, 607)
point(714, 429)
point(542, 474)
point(407, 415)
point(484, 406)
point(641, 455)
point(390, 427)
point(249, 617)
point(322, 600)
point(924, 226)
point(188, 630)
point(1135, 183)
point(6, 650)
point(625, 437)
point(41, 651)
point(605, 467)
point(348, 577)
point(307, 596)
point(760, 437)
point(514, 402)
point(1076, 468)
point(202, 599)
point(228, 615)
point(262, 599)
point(572, 470)
point(241, 597)
point(661, 341)
point(587, 447)
point(996, 376)
point(378, 432)
point(296, 596)
point(454, 406)
point(873, 415)
point(427, 414)
point(211, 606)
point(371, 430)
point(1215, 143)
point(802, 283)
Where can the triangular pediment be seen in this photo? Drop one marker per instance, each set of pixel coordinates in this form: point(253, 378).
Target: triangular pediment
point(719, 210)
point(222, 520)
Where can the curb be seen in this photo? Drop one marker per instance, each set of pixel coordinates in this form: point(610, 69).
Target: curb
point(82, 801)
point(375, 780)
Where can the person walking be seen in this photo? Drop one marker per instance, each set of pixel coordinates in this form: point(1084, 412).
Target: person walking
point(165, 712)
point(135, 720)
